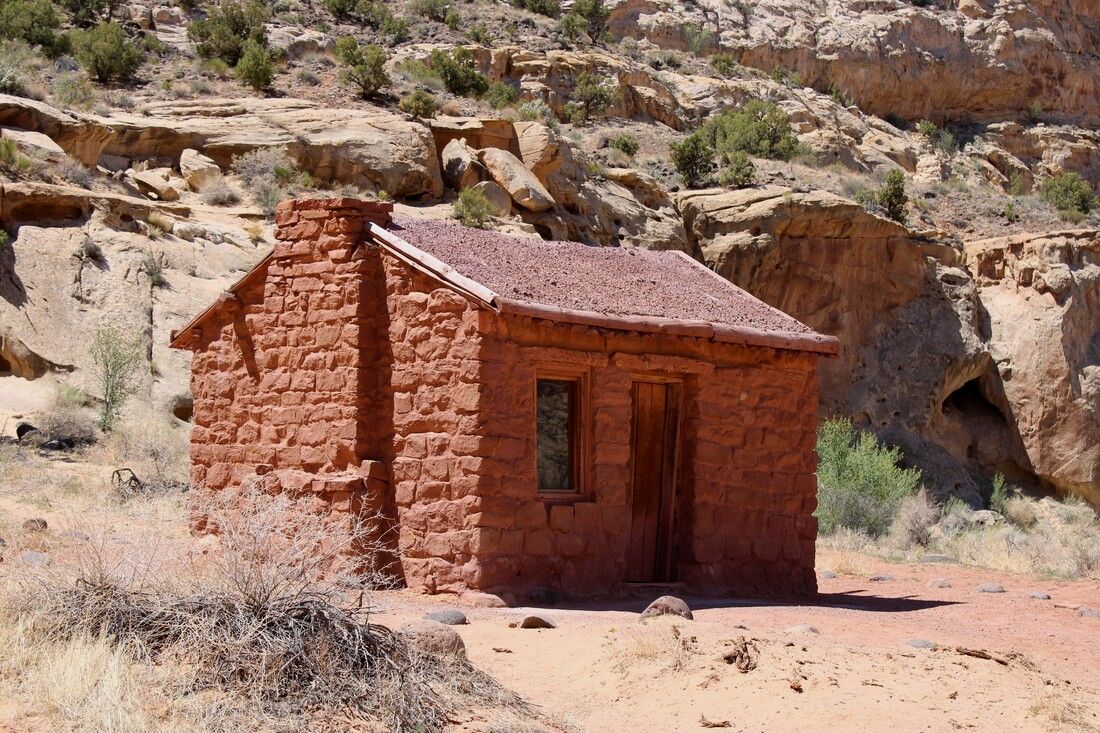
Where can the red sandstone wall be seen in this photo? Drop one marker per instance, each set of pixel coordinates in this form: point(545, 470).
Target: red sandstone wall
point(747, 487)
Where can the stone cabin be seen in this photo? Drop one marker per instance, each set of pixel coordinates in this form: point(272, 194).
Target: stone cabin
point(533, 415)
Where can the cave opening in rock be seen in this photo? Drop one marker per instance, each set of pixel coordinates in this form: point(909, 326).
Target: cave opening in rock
point(183, 408)
point(5, 367)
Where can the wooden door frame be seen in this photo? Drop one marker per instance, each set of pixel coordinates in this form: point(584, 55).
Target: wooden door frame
point(671, 473)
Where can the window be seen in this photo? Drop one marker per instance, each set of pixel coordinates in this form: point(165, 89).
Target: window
point(558, 407)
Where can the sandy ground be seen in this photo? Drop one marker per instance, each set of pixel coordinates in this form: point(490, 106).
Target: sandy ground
point(603, 669)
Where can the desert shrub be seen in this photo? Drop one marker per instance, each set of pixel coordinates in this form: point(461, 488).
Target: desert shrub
point(737, 171)
point(592, 96)
point(537, 110)
point(480, 35)
point(590, 16)
point(255, 66)
point(457, 72)
point(697, 38)
point(9, 153)
point(1000, 494)
point(33, 21)
point(1019, 511)
point(419, 103)
point(694, 159)
point(889, 199)
point(106, 53)
point(500, 95)
point(419, 72)
point(723, 64)
point(74, 172)
point(860, 484)
point(786, 77)
point(270, 175)
point(115, 359)
point(89, 12)
point(364, 68)
point(472, 208)
point(73, 91)
point(549, 8)
point(12, 80)
point(626, 143)
point(227, 29)
point(1035, 111)
point(219, 193)
point(913, 522)
point(758, 128)
point(572, 27)
point(928, 129)
point(839, 96)
point(1068, 192)
point(5, 238)
point(394, 30)
point(155, 449)
point(153, 266)
point(431, 9)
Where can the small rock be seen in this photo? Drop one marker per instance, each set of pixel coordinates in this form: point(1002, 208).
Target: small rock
point(35, 524)
point(667, 606)
point(939, 583)
point(1089, 612)
point(986, 517)
point(537, 622)
point(991, 588)
point(450, 617)
point(801, 629)
point(36, 559)
point(1068, 606)
point(826, 575)
point(1039, 595)
point(155, 184)
point(476, 599)
point(197, 169)
point(77, 535)
point(433, 637)
point(881, 578)
point(937, 558)
point(920, 644)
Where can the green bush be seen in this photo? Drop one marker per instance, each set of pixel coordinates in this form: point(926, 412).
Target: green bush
point(472, 208)
point(73, 91)
point(928, 129)
point(738, 171)
point(228, 28)
point(1068, 193)
point(1000, 494)
point(859, 483)
point(106, 53)
point(697, 38)
point(456, 70)
point(419, 72)
point(394, 30)
point(33, 21)
point(723, 64)
point(891, 196)
point(757, 128)
point(5, 239)
point(549, 8)
point(90, 12)
point(419, 104)
point(694, 159)
point(255, 67)
point(626, 143)
point(572, 26)
point(363, 67)
point(12, 80)
point(479, 34)
point(592, 16)
point(501, 95)
point(431, 9)
point(592, 96)
point(342, 8)
point(115, 359)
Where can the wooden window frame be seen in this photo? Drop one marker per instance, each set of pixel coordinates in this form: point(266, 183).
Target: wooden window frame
point(580, 430)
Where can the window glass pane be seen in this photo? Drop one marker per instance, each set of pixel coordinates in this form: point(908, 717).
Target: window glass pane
point(556, 402)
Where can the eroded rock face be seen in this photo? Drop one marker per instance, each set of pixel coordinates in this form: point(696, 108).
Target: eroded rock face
point(980, 61)
point(1041, 297)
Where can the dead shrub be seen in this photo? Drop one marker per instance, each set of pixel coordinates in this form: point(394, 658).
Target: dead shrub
point(157, 452)
point(269, 623)
point(1020, 512)
point(913, 521)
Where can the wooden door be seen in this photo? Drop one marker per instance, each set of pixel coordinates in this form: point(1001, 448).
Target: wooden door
point(654, 435)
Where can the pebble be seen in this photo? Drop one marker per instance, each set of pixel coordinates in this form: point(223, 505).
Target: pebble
point(450, 617)
point(537, 622)
point(939, 583)
point(801, 629)
point(35, 524)
point(77, 535)
point(991, 588)
point(827, 574)
point(920, 644)
point(36, 559)
point(881, 578)
point(1039, 595)
point(1089, 612)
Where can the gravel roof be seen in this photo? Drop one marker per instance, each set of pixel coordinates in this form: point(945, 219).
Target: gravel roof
point(611, 281)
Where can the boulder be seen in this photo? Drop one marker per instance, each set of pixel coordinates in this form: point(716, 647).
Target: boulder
point(539, 149)
point(197, 169)
point(477, 132)
point(434, 638)
point(140, 15)
point(78, 135)
point(450, 617)
point(166, 15)
point(500, 203)
point(667, 606)
point(460, 165)
point(155, 184)
point(537, 621)
point(477, 599)
point(524, 188)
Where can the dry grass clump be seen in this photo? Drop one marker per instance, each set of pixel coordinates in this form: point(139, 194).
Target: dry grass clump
point(155, 449)
point(661, 642)
point(274, 626)
point(1065, 713)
